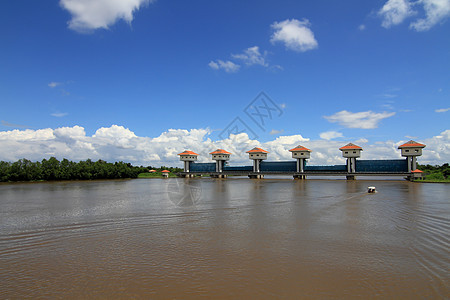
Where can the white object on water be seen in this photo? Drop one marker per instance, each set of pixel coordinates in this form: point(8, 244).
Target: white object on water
point(371, 189)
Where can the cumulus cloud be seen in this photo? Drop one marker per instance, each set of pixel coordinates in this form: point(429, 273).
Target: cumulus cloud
point(329, 135)
point(296, 35)
point(227, 66)
point(442, 110)
point(436, 11)
point(252, 56)
point(395, 12)
point(117, 143)
point(88, 15)
point(362, 120)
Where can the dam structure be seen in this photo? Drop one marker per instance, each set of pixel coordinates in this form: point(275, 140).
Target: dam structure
point(299, 168)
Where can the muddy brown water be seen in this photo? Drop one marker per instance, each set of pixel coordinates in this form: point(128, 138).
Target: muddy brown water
point(224, 238)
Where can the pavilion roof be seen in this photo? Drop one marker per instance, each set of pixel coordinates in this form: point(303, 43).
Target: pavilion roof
point(300, 148)
point(187, 152)
point(220, 151)
point(350, 146)
point(257, 150)
point(411, 144)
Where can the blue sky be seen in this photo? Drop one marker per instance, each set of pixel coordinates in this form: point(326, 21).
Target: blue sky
point(376, 72)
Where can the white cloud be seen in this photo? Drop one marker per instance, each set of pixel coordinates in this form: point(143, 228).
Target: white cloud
point(228, 66)
point(363, 120)
point(395, 12)
point(54, 84)
point(276, 68)
point(329, 135)
point(296, 35)
point(119, 143)
point(274, 131)
point(59, 114)
point(435, 11)
point(252, 56)
point(362, 27)
point(387, 95)
point(7, 124)
point(442, 110)
point(88, 15)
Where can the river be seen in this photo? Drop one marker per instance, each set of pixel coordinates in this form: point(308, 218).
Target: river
point(224, 238)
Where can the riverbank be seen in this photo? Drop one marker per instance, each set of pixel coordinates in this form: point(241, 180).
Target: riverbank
point(433, 180)
point(434, 174)
point(154, 175)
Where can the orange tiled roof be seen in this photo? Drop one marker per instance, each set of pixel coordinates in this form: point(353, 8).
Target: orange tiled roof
point(187, 152)
point(300, 148)
point(165, 171)
point(416, 171)
point(411, 144)
point(220, 151)
point(350, 146)
point(257, 150)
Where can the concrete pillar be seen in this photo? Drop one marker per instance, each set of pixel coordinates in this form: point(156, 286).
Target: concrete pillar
point(414, 163)
point(349, 170)
point(255, 176)
point(408, 161)
point(186, 166)
point(300, 165)
point(353, 164)
point(256, 163)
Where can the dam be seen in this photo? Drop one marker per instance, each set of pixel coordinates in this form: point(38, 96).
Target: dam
point(299, 169)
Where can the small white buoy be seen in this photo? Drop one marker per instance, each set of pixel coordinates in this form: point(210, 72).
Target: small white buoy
point(371, 189)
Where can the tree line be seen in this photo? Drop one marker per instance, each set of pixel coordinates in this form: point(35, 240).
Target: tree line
point(53, 169)
point(436, 172)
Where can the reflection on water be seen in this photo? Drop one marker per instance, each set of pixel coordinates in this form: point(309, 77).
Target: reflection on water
point(224, 238)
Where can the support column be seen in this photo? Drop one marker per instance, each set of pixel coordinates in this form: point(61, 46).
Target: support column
point(302, 164)
point(408, 161)
point(414, 163)
point(186, 166)
point(257, 164)
point(349, 170)
point(353, 164)
point(255, 176)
